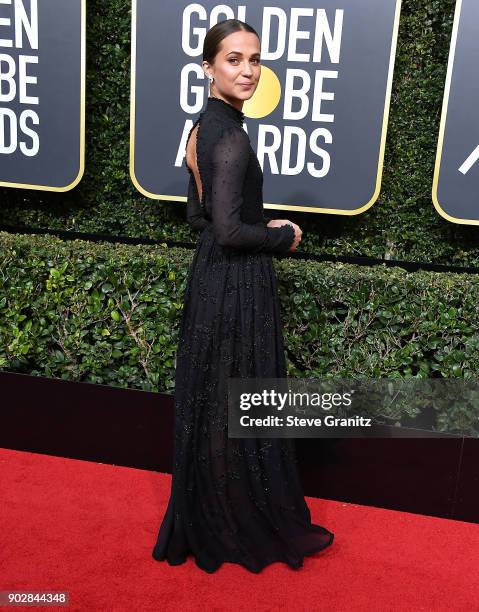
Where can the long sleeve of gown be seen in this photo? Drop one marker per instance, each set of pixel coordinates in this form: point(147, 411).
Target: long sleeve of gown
point(194, 215)
point(229, 163)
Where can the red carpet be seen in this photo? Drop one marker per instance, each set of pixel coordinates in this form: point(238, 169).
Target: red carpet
point(89, 529)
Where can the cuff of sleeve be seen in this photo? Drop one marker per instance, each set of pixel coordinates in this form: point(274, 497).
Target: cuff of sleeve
point(279, 239)
point(288, 238)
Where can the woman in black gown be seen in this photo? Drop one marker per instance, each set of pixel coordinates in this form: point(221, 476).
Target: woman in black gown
point(237, 500)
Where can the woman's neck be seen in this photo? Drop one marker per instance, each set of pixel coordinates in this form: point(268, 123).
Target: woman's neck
point(235, 102)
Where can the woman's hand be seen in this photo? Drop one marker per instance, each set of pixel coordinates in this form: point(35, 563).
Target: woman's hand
point(297, 230)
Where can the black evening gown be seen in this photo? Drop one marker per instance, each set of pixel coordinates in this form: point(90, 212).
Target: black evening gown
point(235, 500)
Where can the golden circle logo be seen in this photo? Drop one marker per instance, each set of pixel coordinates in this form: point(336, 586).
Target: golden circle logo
point(266, 97)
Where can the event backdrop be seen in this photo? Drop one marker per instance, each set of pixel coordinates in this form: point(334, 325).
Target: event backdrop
point(318, 120)
point(42, 93)
point(456, 177)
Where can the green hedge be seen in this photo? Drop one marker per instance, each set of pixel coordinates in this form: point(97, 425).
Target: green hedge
point(109, 313)
point(403, 224)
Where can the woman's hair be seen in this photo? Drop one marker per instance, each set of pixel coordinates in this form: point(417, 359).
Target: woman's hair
point(221, 30)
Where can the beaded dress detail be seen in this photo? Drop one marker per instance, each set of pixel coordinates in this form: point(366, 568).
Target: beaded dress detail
point(237, 500)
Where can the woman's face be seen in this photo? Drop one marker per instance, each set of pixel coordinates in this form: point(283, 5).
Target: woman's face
point(237, 67)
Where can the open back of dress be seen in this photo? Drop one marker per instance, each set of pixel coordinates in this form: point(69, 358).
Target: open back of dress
point(191, 159)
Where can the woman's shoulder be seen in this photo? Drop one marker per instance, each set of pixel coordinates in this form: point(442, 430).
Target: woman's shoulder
point(218, 123)
point(220, 130)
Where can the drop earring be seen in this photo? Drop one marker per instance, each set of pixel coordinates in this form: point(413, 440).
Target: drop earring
point(212, 80)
